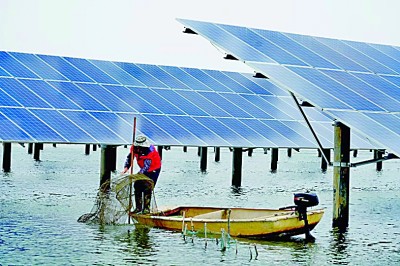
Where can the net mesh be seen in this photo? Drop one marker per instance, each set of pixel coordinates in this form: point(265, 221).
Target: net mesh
point(113, 199)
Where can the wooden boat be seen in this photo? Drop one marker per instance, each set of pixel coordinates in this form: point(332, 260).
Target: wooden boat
point(237, 222)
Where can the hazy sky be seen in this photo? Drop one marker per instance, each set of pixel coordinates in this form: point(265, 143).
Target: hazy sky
point(146, 31)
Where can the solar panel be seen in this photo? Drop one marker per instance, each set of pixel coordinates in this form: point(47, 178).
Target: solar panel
point(354, 82)
point(74, 100)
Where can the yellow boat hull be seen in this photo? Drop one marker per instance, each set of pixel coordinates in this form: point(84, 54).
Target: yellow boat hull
point(238, 222)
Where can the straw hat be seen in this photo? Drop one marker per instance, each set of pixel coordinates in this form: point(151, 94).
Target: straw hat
point(141, 141)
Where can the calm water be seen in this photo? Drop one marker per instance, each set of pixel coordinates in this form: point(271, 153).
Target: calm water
point(41, 201)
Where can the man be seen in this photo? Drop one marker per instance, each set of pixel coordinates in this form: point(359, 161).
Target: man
point(149, 162)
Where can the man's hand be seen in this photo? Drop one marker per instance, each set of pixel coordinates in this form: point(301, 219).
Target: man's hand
point(124, 171)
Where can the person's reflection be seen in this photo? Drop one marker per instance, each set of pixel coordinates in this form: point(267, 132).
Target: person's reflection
point(141, 237)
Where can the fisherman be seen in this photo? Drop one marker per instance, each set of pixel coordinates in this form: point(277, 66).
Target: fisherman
point(149, 162)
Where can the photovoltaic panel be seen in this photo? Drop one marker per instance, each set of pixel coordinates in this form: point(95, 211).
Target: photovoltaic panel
point(108, 99)
point(203, 77)
point(38, 66)
point(173, 128)
point(200, 131)
point(97, 130)
point(188, 80)
point(203, 103)
point(74, 100)
point(63, 126)
point(220, 129)
point(354, 82)
point(15, 68)
point(181, 102)
point(223, 103)
point(24, 95)
point(230, 83)
point(78, 96)
point(166, 78)
point(3, 73)
point(166, 107)
point(243, 130)
point(68, 70)
point(37, 129)
point(48, 94)
point(152, 131)
point(129, 96)
point(117, 73)
point(141, 75)
point(11, 132)
point(92, 71)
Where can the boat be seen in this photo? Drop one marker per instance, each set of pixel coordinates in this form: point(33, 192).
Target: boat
point(237, 222)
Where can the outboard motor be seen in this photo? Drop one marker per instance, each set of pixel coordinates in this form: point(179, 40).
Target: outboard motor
point(302, 202)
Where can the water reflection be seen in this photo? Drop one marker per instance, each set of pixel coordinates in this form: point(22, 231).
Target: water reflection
point(338, 246)
point(237, 191)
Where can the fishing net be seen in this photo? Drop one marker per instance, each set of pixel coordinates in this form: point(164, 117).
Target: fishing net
point(113, 199)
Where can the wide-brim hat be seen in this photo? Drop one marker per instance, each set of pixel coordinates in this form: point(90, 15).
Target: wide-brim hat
point(141, 141)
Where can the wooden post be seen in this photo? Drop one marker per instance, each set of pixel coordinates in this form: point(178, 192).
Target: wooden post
point(274, 159)
point(378, 155)
point(160, 150)
point(94, 147)
point(184, 148)
point(198, 151)
point(87, 149)
point(6, 156)
point(217, 154)
point(36, 151)
point(341, 176)
point(113, 158)
point(237, 155)
point(324, 164)
point(105, 167)
point(30, 148)
point(289, 152)
point(203, 159)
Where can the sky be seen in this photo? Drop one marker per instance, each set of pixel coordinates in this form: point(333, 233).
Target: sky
point(146, 31)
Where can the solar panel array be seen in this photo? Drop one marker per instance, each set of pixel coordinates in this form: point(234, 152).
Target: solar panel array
point(357, 83)
point(47, 98)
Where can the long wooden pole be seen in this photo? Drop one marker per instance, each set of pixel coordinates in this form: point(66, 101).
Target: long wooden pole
point(132, 159)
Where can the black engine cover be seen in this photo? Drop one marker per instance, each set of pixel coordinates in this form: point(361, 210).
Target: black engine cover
point(306, 199)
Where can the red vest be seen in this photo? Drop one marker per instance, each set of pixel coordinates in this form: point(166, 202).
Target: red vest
point(153, 156)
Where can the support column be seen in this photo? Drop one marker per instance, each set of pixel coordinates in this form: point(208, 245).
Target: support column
point(113, 158)
point(87, 149)
point(378, 155)
point(6, 156)
point(160, 150)
point(36, 151)
point(341, 176)
point(217, 154)
point(94, 147)
point(106, 162)
point(289, 152)
point(30, 148)
point(203, 159)
point(324, 164)
point(237, 155)
point(198, 151)
point(274, 159)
